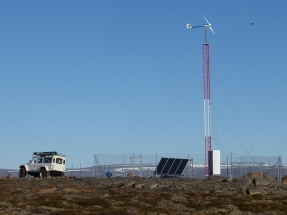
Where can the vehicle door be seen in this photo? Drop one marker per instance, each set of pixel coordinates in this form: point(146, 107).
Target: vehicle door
point(64, 165)
point(38, 164)
point(58, 164)
point(33, 164)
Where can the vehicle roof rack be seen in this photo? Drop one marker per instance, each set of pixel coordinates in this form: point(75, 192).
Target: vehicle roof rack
point(45, 154)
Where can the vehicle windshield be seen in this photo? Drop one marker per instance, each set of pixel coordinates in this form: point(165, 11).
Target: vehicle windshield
point(34, 160)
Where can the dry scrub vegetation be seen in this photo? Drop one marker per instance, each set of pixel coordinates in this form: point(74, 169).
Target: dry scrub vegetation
point(134, 195)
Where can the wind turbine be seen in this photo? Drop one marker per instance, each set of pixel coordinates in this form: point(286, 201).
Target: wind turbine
point(188, 26)
point(206, 86)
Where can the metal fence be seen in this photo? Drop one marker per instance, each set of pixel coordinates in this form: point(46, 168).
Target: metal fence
point(145, 166)
point(263, 167)
point(133, 164)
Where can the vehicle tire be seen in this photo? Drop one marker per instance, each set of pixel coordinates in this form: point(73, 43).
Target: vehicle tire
point(22, 172)
point(62, 174)
point(43, 173)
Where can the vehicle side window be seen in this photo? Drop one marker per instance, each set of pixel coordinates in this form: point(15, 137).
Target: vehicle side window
point(53, 160)
point(47, 160)
point(40, 160)
point(64, 161)
point(59, 160)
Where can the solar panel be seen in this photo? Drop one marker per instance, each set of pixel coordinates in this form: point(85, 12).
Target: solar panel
point(181, 166)
point(160, 165)
point(171, 166)
point(167, 166)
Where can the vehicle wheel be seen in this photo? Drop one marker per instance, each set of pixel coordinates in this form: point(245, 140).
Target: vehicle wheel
point(43, 173)
point(22, 172)
point(61, 174)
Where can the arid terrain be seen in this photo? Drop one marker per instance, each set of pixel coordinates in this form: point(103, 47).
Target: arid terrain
point(135, 195)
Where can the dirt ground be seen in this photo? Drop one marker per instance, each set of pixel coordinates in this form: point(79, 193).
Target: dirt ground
point(135, 195)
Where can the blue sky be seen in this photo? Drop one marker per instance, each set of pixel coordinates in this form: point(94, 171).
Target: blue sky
point(114, 77)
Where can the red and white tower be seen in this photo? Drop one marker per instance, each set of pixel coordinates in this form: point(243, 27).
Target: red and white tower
point(206, 90)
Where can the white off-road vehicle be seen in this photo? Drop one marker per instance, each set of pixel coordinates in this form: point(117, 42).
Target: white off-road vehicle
point(44, 164)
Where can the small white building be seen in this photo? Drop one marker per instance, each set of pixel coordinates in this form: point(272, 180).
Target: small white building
point(216, 162)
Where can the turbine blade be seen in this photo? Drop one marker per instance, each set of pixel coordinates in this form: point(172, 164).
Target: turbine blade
point(209, 25)
point(206, 20)
point(211, 29)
